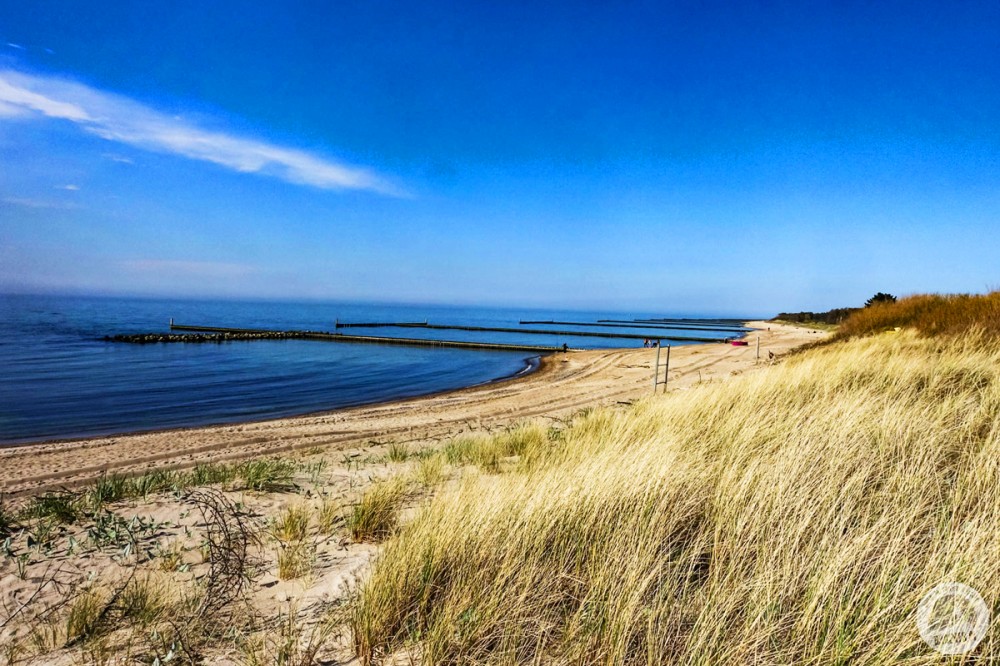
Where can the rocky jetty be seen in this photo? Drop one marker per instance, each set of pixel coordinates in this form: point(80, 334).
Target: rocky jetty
point(152, 338)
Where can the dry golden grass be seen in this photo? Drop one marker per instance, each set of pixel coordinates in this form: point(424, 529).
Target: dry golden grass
point(376, 514)
point(292, 524)
point(792, 515)
point(931, 314)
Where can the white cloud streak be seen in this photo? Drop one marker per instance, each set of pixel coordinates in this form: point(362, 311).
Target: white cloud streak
point(123, 120)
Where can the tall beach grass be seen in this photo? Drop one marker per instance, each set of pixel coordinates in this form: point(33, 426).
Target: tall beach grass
point(930, 314)
point(792, 515)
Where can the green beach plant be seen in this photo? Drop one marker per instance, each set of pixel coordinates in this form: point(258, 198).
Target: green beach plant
point(268, 474)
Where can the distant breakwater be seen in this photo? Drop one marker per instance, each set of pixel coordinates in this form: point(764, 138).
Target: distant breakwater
point(199, 334)
point(152, 338)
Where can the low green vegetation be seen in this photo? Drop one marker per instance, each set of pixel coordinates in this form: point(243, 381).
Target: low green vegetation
point(67, 507)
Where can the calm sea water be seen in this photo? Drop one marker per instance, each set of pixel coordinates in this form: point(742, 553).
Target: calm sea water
point(60, 379)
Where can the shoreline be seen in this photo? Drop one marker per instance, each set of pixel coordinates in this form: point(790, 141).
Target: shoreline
point(531, 365)
point(561, 385)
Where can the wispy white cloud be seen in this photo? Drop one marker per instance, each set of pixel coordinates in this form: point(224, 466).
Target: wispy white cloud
point(15, 46)
point(71, 187)
point(123, 120)
point(121, 159)
point(179, 268)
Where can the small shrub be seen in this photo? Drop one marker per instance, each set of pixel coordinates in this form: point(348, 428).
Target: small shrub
point(880, 297)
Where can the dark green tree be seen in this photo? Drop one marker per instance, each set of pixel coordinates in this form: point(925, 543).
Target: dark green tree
point(880, 298)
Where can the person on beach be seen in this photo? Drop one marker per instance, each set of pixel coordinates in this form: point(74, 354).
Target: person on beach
point(645, 343)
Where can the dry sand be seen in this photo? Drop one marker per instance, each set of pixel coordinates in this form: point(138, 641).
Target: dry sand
point(563, 384)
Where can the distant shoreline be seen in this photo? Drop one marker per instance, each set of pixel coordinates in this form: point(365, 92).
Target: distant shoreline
point(557, 387)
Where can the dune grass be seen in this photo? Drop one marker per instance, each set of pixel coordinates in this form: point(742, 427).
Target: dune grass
point(792, 515)
point(375, 516)
point(930, 314)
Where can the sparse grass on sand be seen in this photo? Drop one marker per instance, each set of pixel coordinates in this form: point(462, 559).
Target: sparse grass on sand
point(792, 515)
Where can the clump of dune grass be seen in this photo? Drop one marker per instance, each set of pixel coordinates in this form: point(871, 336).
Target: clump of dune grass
point(376, 515)
point(84, 616)
point(296, 553)
point(792, 515)
point(61, 507)
point(292, 524)
point(291, 642)
point(430, 470)
point(295, 559)
point(930, 314)
point(328, 516)
point(397, 452)
point(268, 474)
point(528, 441)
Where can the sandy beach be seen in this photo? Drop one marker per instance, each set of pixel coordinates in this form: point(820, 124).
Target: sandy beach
point(563, 384)
point(338, 458)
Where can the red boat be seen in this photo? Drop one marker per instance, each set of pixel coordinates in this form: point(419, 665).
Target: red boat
point(739, 343)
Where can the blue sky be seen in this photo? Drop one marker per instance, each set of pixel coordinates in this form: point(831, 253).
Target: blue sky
point(675, 157)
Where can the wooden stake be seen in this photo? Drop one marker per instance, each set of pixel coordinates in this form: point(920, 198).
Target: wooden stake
point(656, 370)
point(666, 372)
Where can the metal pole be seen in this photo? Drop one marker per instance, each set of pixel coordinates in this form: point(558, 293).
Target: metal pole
point(666, 373)
point(656, 370)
